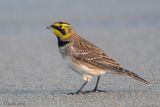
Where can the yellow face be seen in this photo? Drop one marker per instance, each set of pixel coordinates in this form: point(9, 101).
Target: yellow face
point(61, 30)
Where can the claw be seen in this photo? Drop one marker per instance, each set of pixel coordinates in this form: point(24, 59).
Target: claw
point(95, 90)
point(76, 93)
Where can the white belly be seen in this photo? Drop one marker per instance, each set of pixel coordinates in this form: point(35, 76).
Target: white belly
point(73, 66)
point(82, 69)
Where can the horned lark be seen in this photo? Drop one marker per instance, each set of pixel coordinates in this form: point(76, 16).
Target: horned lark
point(85, 58)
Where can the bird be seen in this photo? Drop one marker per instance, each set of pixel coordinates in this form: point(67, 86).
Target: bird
point(86, 58)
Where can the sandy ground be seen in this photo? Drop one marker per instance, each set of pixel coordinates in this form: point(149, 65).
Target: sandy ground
point(32, 73)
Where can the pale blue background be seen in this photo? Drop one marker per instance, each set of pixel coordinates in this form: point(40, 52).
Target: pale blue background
point(34, 15)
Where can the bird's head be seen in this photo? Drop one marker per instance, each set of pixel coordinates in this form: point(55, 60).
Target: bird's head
point(62, 30)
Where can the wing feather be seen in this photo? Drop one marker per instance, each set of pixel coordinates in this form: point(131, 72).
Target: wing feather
point(85, 51)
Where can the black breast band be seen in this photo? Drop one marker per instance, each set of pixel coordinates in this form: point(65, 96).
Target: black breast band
point(62, 43)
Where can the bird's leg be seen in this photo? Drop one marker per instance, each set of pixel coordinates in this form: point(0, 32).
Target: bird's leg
point(80, 90)
point(96, 87)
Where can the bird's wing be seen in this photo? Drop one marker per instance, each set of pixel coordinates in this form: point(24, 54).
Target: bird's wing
point(85, 51)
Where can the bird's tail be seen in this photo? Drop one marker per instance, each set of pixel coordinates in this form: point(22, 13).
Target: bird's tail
point(132, 75)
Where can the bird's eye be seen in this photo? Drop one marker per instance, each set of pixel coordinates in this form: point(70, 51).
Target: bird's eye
point(60, 27)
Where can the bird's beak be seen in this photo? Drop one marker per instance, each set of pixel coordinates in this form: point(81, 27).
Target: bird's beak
point(49, 27)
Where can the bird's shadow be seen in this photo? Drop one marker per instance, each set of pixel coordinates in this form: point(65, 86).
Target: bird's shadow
point(128, 91)
point(55, 92)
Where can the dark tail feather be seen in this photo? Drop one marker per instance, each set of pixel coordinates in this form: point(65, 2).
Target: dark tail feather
point(132, 75)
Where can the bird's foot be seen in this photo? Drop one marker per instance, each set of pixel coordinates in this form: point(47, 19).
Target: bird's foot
point(76, 93)
point(81, 92)
point(95, 90)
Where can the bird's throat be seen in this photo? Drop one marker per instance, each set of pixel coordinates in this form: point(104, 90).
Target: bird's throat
point(62, 43)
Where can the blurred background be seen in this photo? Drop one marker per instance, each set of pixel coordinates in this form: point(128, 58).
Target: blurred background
point(30, 64)
point(34, 15)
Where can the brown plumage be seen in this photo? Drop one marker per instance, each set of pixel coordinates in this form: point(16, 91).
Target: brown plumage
point(84, 57)
point(87, 52)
